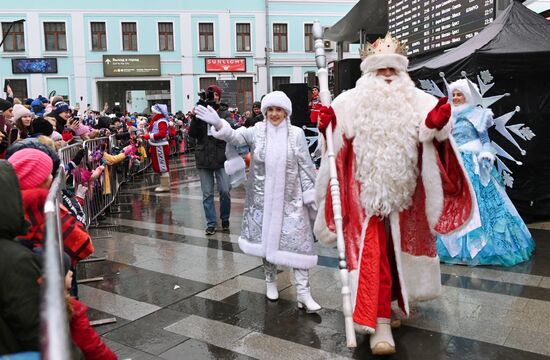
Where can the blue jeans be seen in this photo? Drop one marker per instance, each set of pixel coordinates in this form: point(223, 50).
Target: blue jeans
point(207, 187)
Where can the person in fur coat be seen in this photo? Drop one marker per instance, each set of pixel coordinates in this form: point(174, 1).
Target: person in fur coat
point(280, 193)
point(401, 181)
point(159, 148)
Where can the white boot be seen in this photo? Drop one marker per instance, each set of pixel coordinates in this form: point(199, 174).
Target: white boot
point(272, 293)
point(164, 183)
point(381, 342)
point(303, 293)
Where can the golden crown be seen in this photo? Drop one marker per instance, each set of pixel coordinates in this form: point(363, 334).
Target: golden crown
point(387, 45)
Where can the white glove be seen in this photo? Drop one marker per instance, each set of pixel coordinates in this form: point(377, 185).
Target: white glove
point(209, 115)
point(81, 191)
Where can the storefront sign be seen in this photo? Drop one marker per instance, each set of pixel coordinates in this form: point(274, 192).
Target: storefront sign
point(225, 65)
point(131, 65)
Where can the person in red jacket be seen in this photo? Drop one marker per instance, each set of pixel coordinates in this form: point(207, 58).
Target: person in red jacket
point(82, 333)
point(159, 148)
point(314, 105)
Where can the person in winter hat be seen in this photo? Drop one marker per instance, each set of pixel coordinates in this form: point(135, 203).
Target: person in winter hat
point(37, 107)
point(22, 119)
point(280, 194)
point(62, 113)
point(20, 273)
point(33, 168)
point(41, 126)
point(210, 157)
point(401, 181)
point(495, 234)
point(159, 148)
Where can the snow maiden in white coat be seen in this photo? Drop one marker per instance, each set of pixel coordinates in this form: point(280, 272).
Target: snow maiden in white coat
point(280, 193)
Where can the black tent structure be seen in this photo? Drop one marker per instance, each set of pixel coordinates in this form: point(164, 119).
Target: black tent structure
point(367, 17)
point(515, 48)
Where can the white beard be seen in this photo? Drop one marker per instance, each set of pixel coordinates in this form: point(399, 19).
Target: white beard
point(386, 143)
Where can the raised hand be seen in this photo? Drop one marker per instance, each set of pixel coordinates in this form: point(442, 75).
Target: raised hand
point(326, 117)
point(209, 115)
point(439, 116)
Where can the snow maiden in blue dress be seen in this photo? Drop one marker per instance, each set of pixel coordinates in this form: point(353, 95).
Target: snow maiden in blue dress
point(496, 234)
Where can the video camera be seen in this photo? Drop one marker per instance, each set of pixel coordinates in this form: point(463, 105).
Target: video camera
point(207, 98)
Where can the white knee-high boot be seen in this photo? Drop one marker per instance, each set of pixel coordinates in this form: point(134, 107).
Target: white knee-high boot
point(270, 271)
point(303, 293)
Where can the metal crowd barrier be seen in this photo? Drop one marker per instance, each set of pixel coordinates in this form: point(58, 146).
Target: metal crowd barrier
point(102, 191)
point(53, 312)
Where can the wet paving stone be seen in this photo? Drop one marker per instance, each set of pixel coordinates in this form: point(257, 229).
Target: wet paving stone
point(147, 333)
point(199, 350)
point(215, 310)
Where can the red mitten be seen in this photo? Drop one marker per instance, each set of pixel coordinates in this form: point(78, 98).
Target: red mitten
point(439, 116)
point(146, 137)
point(326, 116)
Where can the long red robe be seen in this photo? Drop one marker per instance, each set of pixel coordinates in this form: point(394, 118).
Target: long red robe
point(416, 238)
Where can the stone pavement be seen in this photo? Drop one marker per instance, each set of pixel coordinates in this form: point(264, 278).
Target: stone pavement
point(178, 294)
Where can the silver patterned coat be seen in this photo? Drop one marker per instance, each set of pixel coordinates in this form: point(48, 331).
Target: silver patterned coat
point(276, 222)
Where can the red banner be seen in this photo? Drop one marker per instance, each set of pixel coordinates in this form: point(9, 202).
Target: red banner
point(225, 65)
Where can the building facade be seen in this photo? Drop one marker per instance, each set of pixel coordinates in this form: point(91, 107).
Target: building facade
point(131, 54)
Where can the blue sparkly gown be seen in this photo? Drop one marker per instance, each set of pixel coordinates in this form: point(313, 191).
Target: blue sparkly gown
point(496, 234)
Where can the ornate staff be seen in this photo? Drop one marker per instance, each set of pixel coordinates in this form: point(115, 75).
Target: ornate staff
point(324, 94)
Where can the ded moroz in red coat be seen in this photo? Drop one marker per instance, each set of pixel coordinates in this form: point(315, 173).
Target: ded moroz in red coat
point(441, 203)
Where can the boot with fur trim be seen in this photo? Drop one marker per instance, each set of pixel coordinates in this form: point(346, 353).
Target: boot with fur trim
point(381, 342)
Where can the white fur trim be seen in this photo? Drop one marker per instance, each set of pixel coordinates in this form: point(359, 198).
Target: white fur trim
point(293, 260)
point(363, 329)
point(223, 133)
point(382, 61)
point(309, 196)
point(250, 248)
point(431, 178)
point(426, 134)
point(278, 99)
point(422, 275)
point(234, 165)
point(396, 240)
point(486, 155)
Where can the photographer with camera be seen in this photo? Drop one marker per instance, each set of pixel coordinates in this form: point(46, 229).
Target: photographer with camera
point(210, 158)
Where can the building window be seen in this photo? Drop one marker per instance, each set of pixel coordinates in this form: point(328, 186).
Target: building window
point(277, 81)
point(14, 40)
point(206, 36)
point(205, 82)
point(56, 37)
point(280, 38)
point(19, 87)
point(99, 36)
point(244, 94)
point(243, 37)
point(129, 36)
point(166, 36)
point(308, 38)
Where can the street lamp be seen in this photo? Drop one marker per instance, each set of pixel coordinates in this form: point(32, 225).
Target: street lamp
point(8, 31)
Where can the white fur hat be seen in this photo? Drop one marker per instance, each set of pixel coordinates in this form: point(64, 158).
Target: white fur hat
point(278, 99)
point(382, 61)
point(19, 111)
point(462, 86)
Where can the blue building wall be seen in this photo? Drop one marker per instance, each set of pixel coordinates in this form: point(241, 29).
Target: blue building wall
point(80, 69)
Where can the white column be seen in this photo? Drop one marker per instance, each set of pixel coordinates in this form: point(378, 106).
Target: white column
point(187, 63)
point(297, 75)
point(225, 32)
point(37, 85)
point(259, 58)
point(79, 60)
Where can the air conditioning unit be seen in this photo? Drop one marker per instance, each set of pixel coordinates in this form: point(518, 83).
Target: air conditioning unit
point(329, 45)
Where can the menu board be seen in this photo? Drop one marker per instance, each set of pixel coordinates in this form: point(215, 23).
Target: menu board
point(429, 25)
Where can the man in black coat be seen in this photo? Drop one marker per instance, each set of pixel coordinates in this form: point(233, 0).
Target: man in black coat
point(210, 158)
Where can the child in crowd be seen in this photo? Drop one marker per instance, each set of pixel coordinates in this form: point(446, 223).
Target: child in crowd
point(280, 193)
